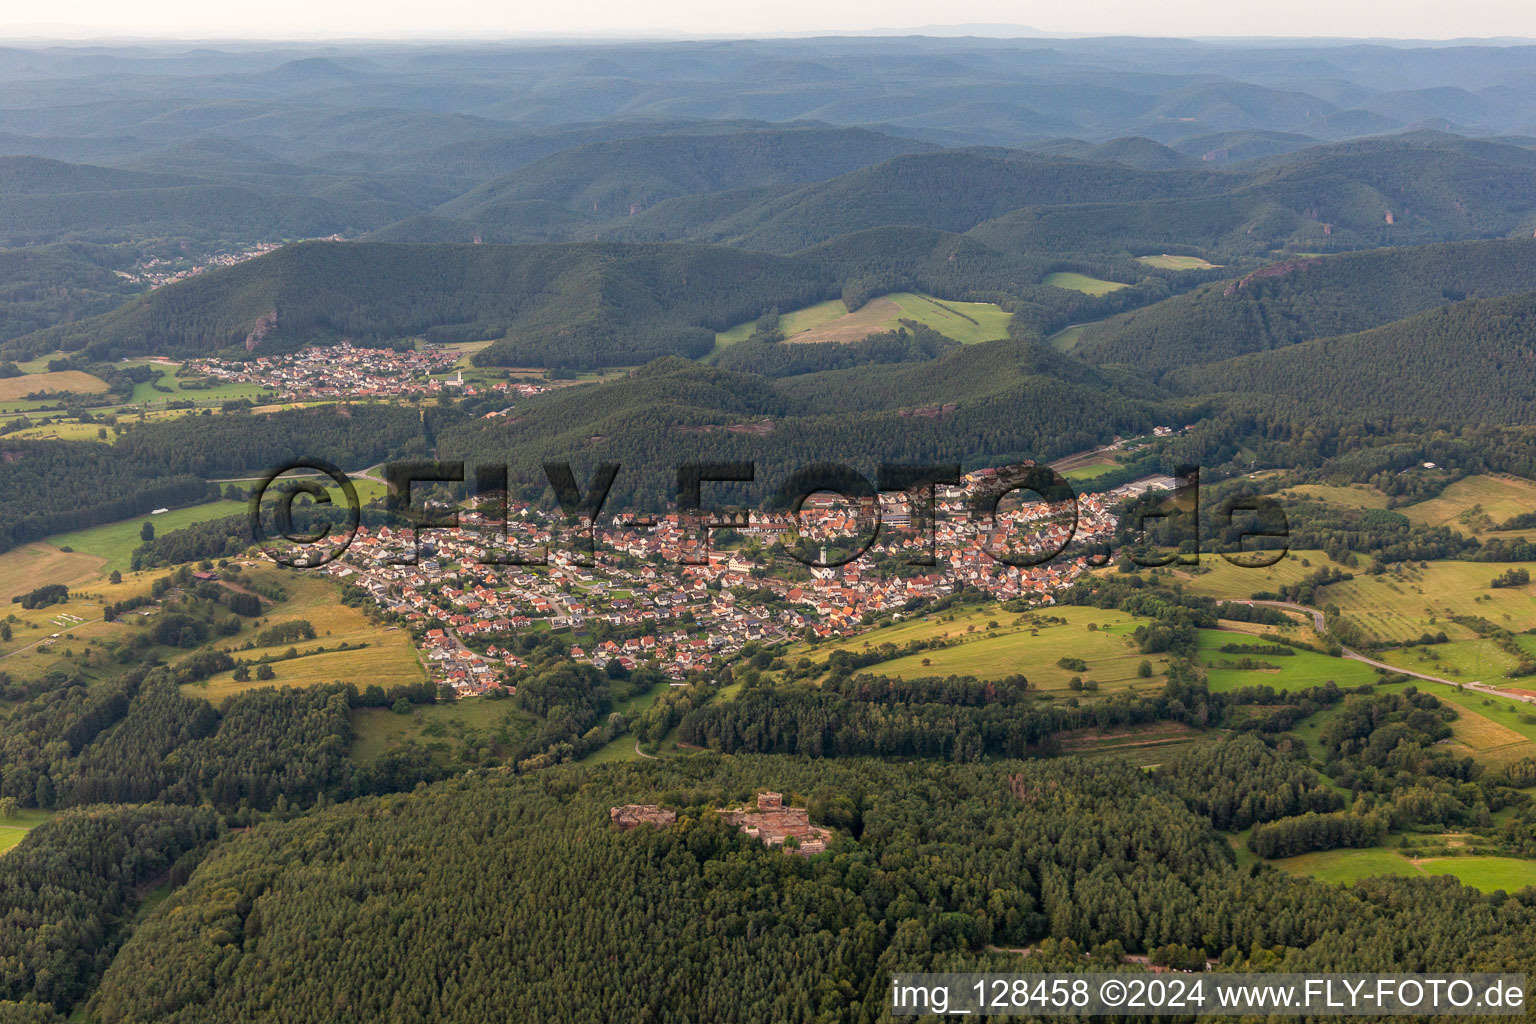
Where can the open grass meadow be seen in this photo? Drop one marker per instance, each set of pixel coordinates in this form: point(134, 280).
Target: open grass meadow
point(388, 659)
point(1091, 471)
point(1219, 578)
point(1491, 729)
point(445, 730)
point(1345, 867)
point(1066, 339)
point(622, 747)
point(15, 828)
point(1486, 873)
point(1402, 605)
point(1480, 660)
point(1476, 504)
point(965, 322)
point(1146, 745)
point(1165, 261)
point(73, 381)
point(1082, 283)
point(1030, 644)
point(1299, 671)
point(70, 635)
point(791, 323)
point(146, 393)
point(71, 430)
point(1346, 496)
point(32, 565)
point(1348, 866)
point(114, 542)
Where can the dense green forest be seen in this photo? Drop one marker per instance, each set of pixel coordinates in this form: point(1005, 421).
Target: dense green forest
point(69, 892)
point(1131, 196)
point(1298, 300)
point(47, 201)
point(59, 486)
point(577, 305)
point(1465, 363)
point(928, 866)
point(1001, 398)
point(1404, 190)
point(46, 285)
point(580, 305)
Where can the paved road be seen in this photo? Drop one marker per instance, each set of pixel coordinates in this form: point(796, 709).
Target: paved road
point(1317, 620)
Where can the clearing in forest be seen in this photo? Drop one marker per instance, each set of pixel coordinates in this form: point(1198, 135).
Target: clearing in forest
point(966, 322)
point(1166, 261)
point(1082, 283)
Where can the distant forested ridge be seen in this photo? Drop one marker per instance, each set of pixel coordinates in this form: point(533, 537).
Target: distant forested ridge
point(1411, 189)
point(611, 179)
point(48, 200)
point(1135, 196)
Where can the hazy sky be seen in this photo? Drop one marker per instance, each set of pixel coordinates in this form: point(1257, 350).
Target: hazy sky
point(297, 19)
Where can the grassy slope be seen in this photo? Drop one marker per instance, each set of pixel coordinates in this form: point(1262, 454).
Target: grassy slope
point(1299, 671)
point(442, 728)
point(75, 381)
point(389, 658)
point(1346, 866)
point(14, 829)
point(1233, 582)
point(1404, 605)
point(1166, 262)
point(79, 646)
point(115, 542)
point(1021, 644)
point(831, 321)
point(1082, 283)
point(1470, 505)
point(33, 565)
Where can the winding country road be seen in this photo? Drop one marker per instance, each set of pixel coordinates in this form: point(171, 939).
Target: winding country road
point(1317, 621)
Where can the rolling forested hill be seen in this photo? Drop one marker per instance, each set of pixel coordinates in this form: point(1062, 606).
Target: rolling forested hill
point(576, 305)
point(438, 904)
point(41, 286)
point(572, 305)
point(1005, 398)
point(1300, 299)
point(1471, 362)
point(1128, 194)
